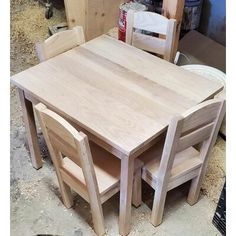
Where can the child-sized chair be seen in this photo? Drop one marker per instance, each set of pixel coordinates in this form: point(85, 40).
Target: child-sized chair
point(59, 43)
point(175, 161)
point(151, 22)
point(81, 165)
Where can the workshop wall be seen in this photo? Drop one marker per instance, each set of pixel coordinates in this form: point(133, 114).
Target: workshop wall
point(213, 20)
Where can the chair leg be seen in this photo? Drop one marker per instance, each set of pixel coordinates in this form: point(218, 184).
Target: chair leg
point(194, 190)
point(158, 206)
point(66, 194)
point(97, 215)
point(137, 189)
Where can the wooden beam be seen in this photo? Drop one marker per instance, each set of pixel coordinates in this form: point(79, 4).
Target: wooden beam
point(174, 9)
point(96, 16)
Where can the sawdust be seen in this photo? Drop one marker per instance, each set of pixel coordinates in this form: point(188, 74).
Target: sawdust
point(28, 26)
point(216, 172)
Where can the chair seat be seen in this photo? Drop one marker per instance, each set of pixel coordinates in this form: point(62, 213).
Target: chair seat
point(107, 169)
point(186, 165)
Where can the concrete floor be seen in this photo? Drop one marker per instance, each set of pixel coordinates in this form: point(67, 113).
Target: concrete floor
point(36, 206)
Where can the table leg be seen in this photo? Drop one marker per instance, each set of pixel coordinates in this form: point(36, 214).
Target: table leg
point(126, 185)
point(31, 131)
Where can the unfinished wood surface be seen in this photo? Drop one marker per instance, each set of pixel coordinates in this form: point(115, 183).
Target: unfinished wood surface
point(177, 161)
point(94, 174)
point(30, 129)
point(137, 190)
point(59, 43)
point(107, 71)
point(173, 9)
point(154, 23)
point(149, 43)
point(96, 16)
point(126, 186)
point(75, 13)
point(122, 97)
point(164, 172)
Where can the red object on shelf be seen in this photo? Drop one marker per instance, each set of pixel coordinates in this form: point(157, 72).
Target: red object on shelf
point(122, 16)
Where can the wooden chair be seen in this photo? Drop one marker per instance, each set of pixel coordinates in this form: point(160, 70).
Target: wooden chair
point(59, 43)
point(175, 161)
point(154, 23)
point(81, 165)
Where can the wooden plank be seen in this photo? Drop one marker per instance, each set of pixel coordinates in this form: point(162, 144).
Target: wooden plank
point(95, 16)
point(170, 42)
point(195, 137)
point(149, 43)
point(137, 188)
point(31, 131)
point(129, 27)
point(138, 85)
point(183, 179)
point(149, 66)
point(151, 22)
point(91, 183)
point(202, 114)
point(76, 13)
point(164, 172)
point(126, 185)
point(174, 9)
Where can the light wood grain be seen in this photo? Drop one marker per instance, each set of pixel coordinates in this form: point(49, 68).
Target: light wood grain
point(59, 43)
point(153, 23)
point(30, 128)
point(90, 174)
point(127, 170)
point(117, 77)
point(176, 161)
point(149, 43)
point(173, 9)
point(123, 98)
point(96, 16)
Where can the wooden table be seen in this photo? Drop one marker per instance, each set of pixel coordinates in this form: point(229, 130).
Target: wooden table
point(120, 96)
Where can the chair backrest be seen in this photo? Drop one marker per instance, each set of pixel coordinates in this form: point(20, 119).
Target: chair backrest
point(199, 125)
point(64, 140)
point(59, 43)
point(164, 28)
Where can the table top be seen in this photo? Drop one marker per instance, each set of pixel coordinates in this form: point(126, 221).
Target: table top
point(122, 95)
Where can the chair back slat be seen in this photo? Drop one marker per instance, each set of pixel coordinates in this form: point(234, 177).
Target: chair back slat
point(195, 137)
point(59, 43)
point(149, 43)
point(63, 138)
point(162, 29)
point(150, 21)
point(199, 125)
point(200, 115)
point(65, 148)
